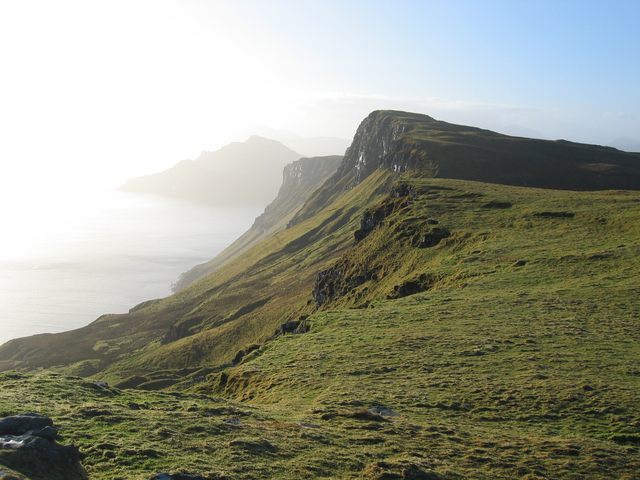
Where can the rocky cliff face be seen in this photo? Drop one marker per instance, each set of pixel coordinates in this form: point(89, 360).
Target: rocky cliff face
point(299, 180)
point(28, 444)
point(379, 143)
point(376, 145)
point(400, 141)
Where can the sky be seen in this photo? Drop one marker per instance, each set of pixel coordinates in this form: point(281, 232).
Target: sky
point(95, 92)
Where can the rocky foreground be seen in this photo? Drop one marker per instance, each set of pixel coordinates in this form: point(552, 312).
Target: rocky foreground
point(29, 450)
point(28, 444)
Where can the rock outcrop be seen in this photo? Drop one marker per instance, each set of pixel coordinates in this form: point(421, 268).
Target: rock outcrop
point(401, 141)
point(28, 446)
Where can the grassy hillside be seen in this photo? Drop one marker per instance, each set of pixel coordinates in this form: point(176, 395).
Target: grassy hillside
point(402, 327)
point(517, 360)
point(242, 304)
point(300, 179)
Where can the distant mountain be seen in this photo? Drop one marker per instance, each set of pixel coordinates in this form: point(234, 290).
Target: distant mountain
point(300, 179)
point(241, 173)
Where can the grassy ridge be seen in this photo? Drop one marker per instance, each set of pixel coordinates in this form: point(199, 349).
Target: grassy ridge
point(453, 329)
point(280, 269)
point(519, 361)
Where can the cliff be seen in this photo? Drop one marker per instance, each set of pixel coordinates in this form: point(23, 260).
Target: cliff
point(401, 141)
point(299, 180)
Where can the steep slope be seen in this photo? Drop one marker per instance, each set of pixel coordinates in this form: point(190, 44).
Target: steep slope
point(402, 141)
point(238, 305)
point(241, 173)
point(243, 303)
point(300, 179)
point(509, 349)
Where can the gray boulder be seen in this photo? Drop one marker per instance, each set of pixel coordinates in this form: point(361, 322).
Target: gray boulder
point(21, 424)
point(28, 446)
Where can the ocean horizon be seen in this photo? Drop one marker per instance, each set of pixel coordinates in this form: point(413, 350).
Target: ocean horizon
point(74, 259)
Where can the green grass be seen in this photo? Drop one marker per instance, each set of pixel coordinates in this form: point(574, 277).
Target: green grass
point(533, 364)
point(520, 360)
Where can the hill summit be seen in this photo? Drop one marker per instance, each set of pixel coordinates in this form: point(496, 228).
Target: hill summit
point(401, 141)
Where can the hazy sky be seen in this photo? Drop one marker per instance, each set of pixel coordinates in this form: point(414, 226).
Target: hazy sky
point(103, 90)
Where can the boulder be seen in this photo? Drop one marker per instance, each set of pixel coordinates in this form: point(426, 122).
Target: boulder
point(28, 446)
point(6, 474)
point(21, 424)
point(430, 238)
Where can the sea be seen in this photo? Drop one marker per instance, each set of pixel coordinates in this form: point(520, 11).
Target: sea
point(68, 259)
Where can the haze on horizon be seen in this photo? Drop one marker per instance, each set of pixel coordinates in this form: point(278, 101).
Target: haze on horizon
point(93, 93)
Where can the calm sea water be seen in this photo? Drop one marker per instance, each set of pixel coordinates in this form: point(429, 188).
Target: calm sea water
point(67, 261)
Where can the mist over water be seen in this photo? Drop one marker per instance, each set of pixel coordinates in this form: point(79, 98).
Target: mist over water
point(67, 261)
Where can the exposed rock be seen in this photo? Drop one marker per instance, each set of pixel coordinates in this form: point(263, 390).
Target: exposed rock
point(22, 424)
point(28, 446)
point(6, 474)
point(177, 476)
point(403, 190)
point(289, 327)
point(383, 411)
point(411, 287)
point(368, 414)
point(376, 145)
point(293, 326)
point(374, 217)
point(337, 281)
point(430, 238)
point(299, 179)
point(243, 353)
